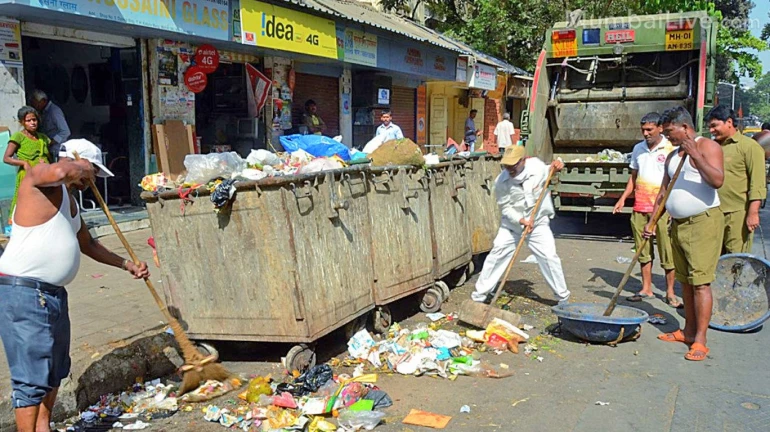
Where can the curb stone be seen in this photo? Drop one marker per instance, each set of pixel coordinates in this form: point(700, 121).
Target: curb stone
point(146, 358)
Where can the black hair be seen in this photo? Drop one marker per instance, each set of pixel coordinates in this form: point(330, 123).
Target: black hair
point(766, 126)
point(722, 113)
point(387, 111)
point(652, 117)
point(25, 111)
point(309, 102)
point(678, 116)
point(474, 111)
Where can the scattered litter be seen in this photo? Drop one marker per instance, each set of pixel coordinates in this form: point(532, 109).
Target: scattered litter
point(360, 419)
point(139, 425)
point(520, 400)
point(538, 358)
point(528, 348)
point(623, 260)
point(117, 425)
point(530, 260)
point(97, 276)
point(504, 366)
point(465, 409)
point(435, 316)
point(527, 327)
point(427, 419)
point(600, 403)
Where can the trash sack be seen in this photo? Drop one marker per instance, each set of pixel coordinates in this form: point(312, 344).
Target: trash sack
point(316, 145)
point(374, 144)
point(263, 157)
point(356, 420)
point(201, 169)
point(252, 174)
point(398, 152)
point(380, 398)
point(315, 378)
point(320, 164)
point(224, 192)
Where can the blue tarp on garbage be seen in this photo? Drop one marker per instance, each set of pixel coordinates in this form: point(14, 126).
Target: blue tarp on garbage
point(316, 145)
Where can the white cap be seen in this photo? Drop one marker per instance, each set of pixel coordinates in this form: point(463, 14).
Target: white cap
point(86, 150)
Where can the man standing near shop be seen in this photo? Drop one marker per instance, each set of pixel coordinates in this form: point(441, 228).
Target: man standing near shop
point(517, 189)
point(470, 131)
point(42, 257)
point(648, 161)
point(504, 131)
point(388, 129)
point(312, 120)
point(745, 184)
point(696, 232)
point(54, 124)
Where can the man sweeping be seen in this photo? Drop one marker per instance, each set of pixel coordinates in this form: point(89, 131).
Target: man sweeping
point(42, 257)
point(696, 232)
point(517, 189)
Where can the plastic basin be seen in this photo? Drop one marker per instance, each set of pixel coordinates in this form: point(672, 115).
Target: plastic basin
point(586, 321)
point(741, 293)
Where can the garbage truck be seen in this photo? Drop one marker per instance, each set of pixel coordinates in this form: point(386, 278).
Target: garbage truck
point(594, 81)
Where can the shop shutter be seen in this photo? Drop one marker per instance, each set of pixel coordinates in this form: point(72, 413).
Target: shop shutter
point(404, 106)
point(325, 92)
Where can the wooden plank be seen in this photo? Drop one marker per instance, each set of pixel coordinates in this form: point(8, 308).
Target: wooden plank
point(178, 145)
point(160, 147)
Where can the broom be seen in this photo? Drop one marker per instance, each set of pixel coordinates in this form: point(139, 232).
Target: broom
point(197, 368)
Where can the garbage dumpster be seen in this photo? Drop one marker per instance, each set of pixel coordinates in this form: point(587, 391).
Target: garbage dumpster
point(449, 216)
point(484, 214)
point(402, 246)
point(290, 262)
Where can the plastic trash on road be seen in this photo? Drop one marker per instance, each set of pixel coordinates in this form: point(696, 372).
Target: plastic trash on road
point(360, 419)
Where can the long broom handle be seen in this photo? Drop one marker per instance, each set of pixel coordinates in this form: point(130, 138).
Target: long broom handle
point(654, 221)
point(521, 243)
point(189, 352)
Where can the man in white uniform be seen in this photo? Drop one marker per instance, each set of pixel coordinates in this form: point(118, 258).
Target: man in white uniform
point(42, 257)
point(504, 131)
point(517, 189)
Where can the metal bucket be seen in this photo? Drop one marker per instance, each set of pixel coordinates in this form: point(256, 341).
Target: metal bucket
point(586, 321)
point(741, 293)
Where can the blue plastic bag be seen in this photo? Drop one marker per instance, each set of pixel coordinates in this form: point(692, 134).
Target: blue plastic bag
point(316, 145)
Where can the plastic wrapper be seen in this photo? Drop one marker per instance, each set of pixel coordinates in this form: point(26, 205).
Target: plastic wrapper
point(210, 390)
point(224, 192)
point(445, 339)
point(263, 157)
point(352, 393)
point(360, 419)
point(316, 377)
point(201, 169)
point(320, 164)
point(157, 181)
point(252, 174)
point(431, 159)
point(380, 399)
point(320, 425)
point(257, 387)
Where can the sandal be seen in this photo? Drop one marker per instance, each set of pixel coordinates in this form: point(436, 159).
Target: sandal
point(675, 336)
point(695, 349)
point(673, 302)
point(639, 297)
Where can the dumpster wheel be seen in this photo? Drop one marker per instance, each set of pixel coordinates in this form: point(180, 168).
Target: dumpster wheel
point(444, 288)
point(207, 349)
point(431, 300)
point(354, 326)
point(382, 319)
point(457, 277)
point(300, 358)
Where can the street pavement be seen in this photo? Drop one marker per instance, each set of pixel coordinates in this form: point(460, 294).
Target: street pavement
point(642, 385)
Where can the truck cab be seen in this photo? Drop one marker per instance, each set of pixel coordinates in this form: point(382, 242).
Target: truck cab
point(595, 80)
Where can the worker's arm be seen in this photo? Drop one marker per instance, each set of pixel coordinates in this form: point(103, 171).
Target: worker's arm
point(708, 159)
point(755, 170)
point(8, 158)
point(62, 173)
point(649, 229)
point(630, 186)
point(96, 251)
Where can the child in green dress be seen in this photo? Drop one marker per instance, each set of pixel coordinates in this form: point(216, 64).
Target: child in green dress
point(29, 146)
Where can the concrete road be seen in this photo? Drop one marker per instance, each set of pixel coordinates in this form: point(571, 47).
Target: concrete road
point(644, 385)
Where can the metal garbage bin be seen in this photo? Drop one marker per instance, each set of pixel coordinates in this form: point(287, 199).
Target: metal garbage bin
point(484, 213)
point(290, 262)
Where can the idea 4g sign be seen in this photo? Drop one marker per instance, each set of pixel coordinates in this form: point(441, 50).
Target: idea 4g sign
point(265, 25)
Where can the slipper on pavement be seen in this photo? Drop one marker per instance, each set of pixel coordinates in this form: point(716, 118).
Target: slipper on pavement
point(674, 303)
point(639, 297)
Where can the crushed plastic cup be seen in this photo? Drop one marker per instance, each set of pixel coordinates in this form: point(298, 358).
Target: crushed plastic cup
point(623, 260)
point(360, 419)
point(465, 409)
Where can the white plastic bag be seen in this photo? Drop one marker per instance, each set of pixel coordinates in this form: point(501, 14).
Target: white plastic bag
point(356, 420)
point(263, 157)
point(374, 144)
point(252, 174)
point(320, 164)
point(202, 169)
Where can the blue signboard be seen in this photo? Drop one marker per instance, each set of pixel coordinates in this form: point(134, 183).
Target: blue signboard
point(416, 59)
point(205, 18)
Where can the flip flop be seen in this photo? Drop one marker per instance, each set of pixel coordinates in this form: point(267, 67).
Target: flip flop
point(639, 297)
point(674, 303)
point(675, 336)
point(697, 348)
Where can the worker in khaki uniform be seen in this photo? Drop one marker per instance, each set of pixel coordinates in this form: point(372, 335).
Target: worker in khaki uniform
point(698, 223)
point(745, 184)
point(517, 189)
point(648, 161)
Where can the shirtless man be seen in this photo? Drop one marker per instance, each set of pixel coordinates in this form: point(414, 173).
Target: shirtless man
point(698, 224)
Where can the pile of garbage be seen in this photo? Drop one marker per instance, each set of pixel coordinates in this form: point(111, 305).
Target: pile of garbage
point(429, 350)
point(606, 155)
point(307, 402)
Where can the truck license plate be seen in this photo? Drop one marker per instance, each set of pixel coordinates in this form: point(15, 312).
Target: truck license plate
point(680, 40)
point(619, 36)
